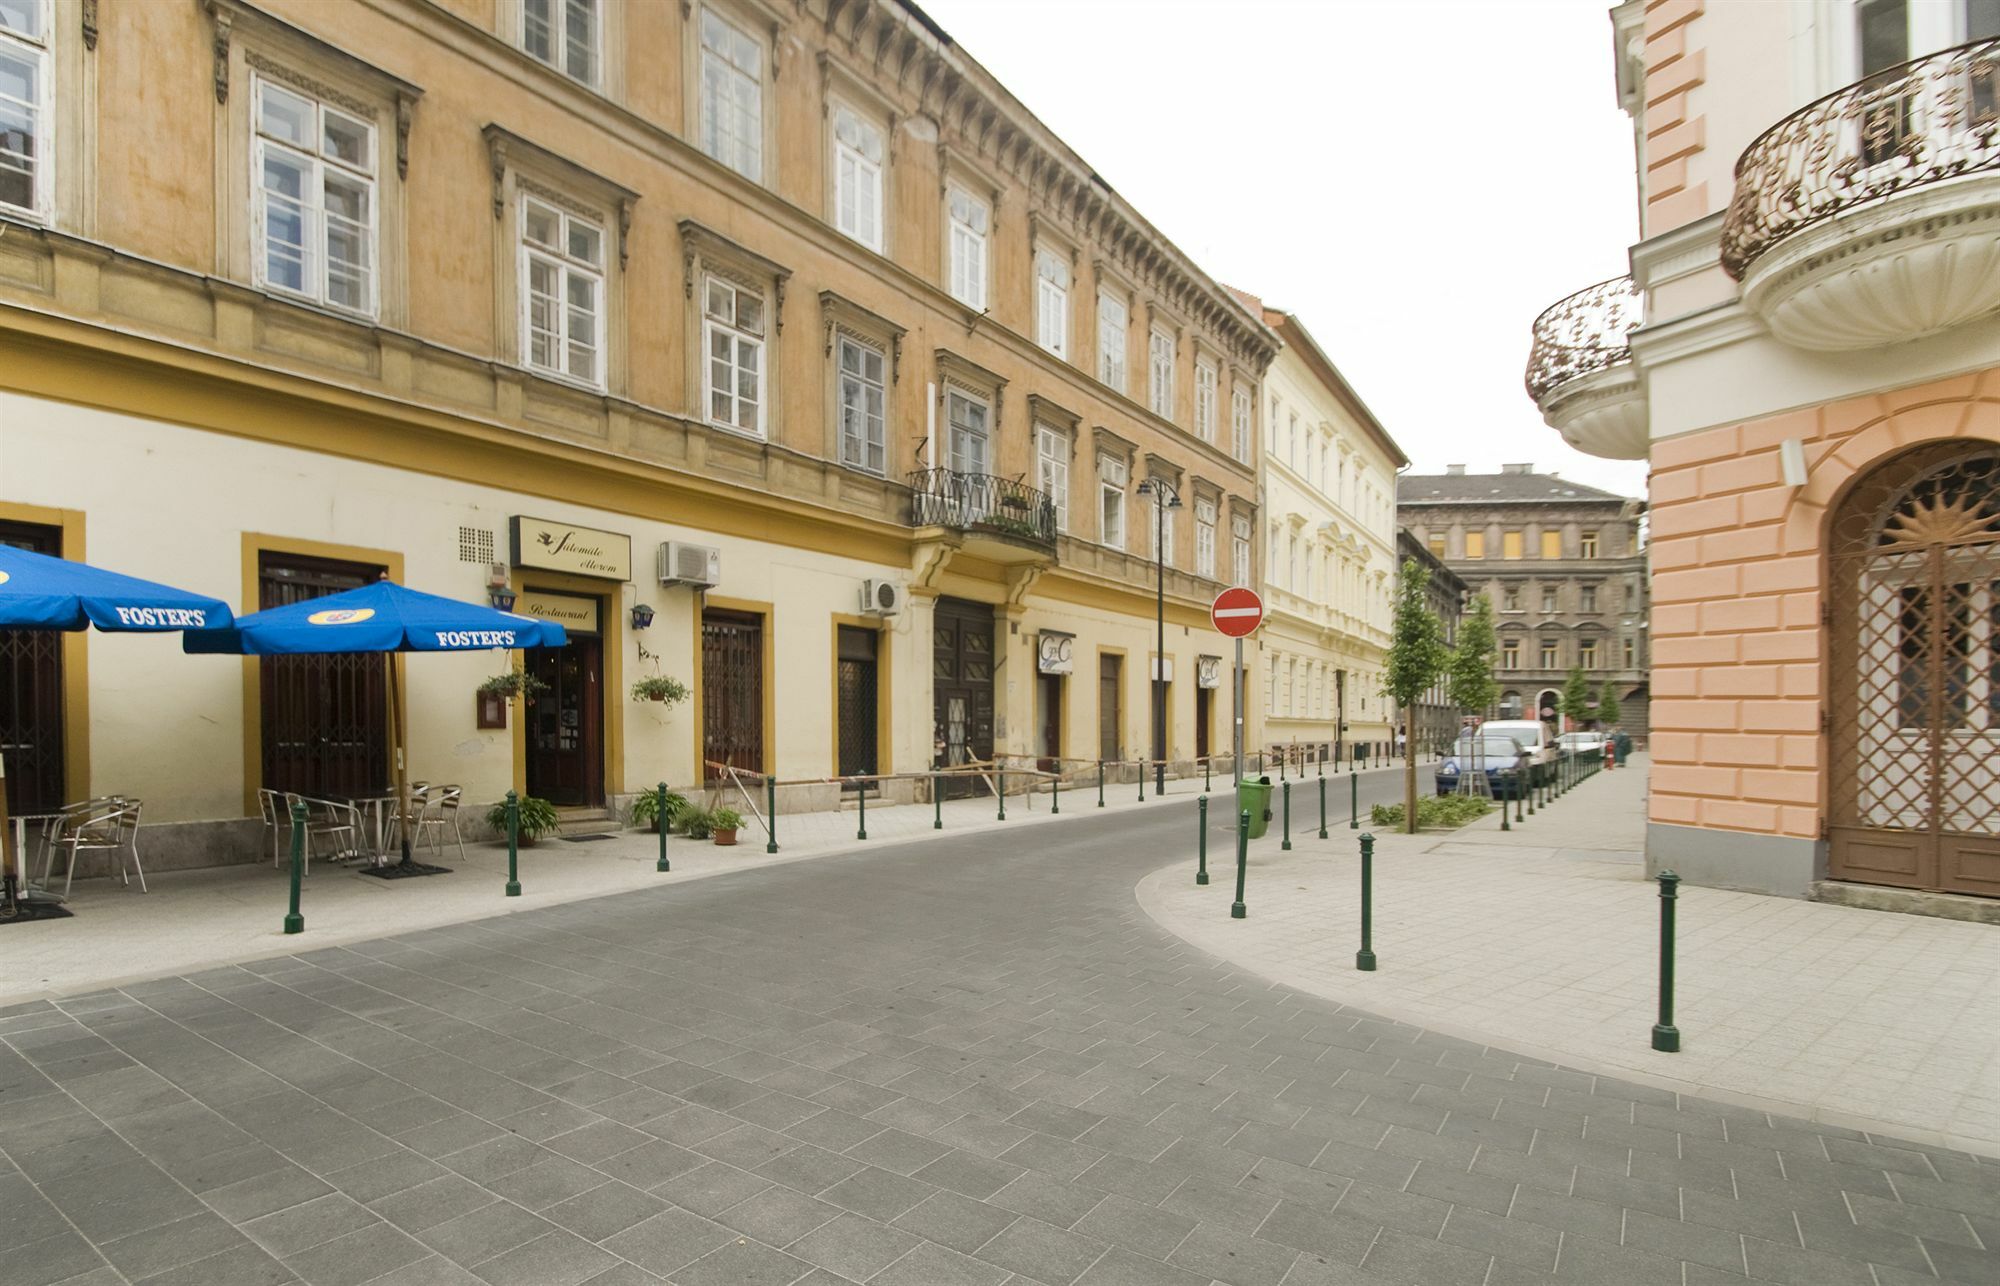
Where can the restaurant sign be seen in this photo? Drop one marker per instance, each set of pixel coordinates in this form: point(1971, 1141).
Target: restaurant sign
point(1208, 672)
point(574, 614)
point(566, 547)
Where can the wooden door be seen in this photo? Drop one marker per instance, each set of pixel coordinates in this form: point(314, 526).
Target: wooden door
point(31, 697)
point(565, 723)
point(325, 718)
point(962, 688)
point(1110, 710)
point(858, 701)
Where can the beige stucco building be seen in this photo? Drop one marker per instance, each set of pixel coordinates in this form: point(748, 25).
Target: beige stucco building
point(1329, 531)
point(837, 362)
point(1807, 352)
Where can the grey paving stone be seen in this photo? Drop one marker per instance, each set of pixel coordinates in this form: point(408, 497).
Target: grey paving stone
point(358, 1257)
point(1233, 1257)
point(429, 1204)
point(552, 1259)
point(1339, 1237)
point(480, 1234)
point(306, 1225)
point(853, 1247)
point(1585, 1259)
point(955, 1221)
point(711, 1188)
point(1521, 1244)
point(604, 1211)
point(47, 1260)
point(1398, 1256)
point(245, 1265)
point(933, 1265)
point(779, 1216)
point(1042, 1251)
point(1692, 1242)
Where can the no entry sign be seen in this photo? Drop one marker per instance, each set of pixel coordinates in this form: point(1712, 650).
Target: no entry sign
point(1237, 612)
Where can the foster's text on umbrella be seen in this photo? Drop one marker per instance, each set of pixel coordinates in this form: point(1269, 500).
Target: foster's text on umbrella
point(179, 618)
point(475, 638)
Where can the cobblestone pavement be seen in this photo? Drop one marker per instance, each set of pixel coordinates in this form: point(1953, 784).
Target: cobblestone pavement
point(973, 1060)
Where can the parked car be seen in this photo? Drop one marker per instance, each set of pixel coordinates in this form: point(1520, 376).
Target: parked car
point(1573, 742)
point(1501, 756)
point(1536, 737)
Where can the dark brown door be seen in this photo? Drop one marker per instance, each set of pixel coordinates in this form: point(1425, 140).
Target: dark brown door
point(325, 718)
point(1162, 696)
point(31, 696)
point(857, 684)
point(1204, 710)
point(962, 688)
point(1110, 714)
point(1914, 791)
point(1048, 696)
point(565, 724)
point(732, 690)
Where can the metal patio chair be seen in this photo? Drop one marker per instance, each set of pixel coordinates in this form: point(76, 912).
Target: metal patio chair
point(439, 812)
point(112, 827)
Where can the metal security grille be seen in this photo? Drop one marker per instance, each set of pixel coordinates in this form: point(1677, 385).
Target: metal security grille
point(1110, 680)
point(1914, 790)
point(325, 718)
point(732, 690)
point(962, 687)
point(31, 711)
point(857, 705)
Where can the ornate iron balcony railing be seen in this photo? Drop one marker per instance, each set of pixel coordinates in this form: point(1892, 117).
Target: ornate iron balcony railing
point(1929, 119)
point(1583, 334)
point(981, 502)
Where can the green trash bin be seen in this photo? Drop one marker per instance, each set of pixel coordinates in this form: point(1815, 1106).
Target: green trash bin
point(1254, 797)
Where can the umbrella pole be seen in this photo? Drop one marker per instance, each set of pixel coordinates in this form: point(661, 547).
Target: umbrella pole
point(396, 740)
point(9, 881)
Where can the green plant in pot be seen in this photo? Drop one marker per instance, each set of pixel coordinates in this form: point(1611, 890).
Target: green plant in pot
point(646, 810)
point(660, 687)
point(697, 823)
point(513, 683)
point(538, 818)
point(725, 821)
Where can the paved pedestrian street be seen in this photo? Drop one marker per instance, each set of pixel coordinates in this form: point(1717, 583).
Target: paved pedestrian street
point(972, 1059)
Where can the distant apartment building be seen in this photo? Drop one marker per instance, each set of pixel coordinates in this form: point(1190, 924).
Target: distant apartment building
point(1807, 352)
point(1433, 719)
point(1565, 568)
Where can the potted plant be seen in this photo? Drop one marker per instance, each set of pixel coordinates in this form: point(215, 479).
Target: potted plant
point(725, 821)
point(697, 823)
point(538, 818)
point(646, 810)
point(513, 683)
point(660, 687)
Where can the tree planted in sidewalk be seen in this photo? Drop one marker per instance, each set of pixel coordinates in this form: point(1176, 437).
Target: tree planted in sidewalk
point(1576, 695)
point(1607, 705)
point(1473, 687)
point(1416, 661)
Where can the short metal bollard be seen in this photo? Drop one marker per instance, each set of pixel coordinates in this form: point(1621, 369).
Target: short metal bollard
point(1287, 792)
point(1520, 790)
point(1322, 808)
point(1238, 911)
point(295, 922)
point(1055, 791)
point(1100, 783)
point(1353, 803)
point(1207, 763)
point(1666, 1036)
point(1533, 787)
point(1142, 781)
point(1001, 792)
point(1364, 959)
point(513, 845)
point(771, 813)
point(661, 814)
point(937, 801)
point(861, 824)
point(1201, 847)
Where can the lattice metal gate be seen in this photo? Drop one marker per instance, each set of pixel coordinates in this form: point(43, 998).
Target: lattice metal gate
point(732, 689)
point(1914, 720)
point(858, 705)
point(31, 696)
point(325, 718)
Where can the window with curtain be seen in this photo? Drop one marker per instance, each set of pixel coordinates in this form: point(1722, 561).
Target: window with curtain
point(733, 325)
point(863, 401)
point(24, 106)
point(562, 292)
point(1052, 470)
point(561, 33)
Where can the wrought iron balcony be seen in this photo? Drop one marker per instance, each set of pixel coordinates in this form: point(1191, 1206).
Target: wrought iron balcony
point(1580, 370)
point(1872, 215)
point(981, 504)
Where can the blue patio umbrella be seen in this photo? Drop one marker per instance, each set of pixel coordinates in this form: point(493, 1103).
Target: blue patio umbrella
point(38, 592)
point(382, 617)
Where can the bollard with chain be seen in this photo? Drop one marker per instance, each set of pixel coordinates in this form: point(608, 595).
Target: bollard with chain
point(294, 922)
point(513, 845)
point(1322, 808)
point(861, 824)
point(1238, 911)
point(661, 814)
point(1287, 845)
point(771, 811)
point(1364, 959)
point(1666, 1036)
point(1201, 847)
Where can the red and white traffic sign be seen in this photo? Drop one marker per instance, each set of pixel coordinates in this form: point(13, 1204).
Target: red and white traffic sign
point(1237, 612)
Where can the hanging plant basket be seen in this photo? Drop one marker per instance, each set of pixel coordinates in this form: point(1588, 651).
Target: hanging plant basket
point(660, 687)
point(512, 684)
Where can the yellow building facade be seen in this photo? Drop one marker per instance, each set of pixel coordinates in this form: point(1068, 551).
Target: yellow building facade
point(773, 347)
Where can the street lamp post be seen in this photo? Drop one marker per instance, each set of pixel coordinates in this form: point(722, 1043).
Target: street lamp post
point(1165, 497)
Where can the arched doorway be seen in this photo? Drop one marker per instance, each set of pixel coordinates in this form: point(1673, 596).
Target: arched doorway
point(1914, 648)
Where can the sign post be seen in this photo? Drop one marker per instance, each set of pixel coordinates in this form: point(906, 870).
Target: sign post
point(1236, 613)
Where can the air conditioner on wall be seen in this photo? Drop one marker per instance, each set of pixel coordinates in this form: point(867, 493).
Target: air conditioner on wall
point(685, 564)
point(881, 597)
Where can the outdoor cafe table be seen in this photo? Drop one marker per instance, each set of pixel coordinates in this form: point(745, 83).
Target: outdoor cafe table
point(380, 807)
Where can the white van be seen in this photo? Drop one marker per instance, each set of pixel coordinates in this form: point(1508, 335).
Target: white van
point(1534, 737)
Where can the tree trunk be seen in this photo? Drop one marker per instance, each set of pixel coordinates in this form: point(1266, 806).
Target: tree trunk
point(1409, 786)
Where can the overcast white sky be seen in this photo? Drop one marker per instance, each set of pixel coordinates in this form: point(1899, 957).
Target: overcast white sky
point(1416, 179)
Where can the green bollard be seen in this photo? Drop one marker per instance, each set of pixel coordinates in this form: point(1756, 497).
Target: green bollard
point(513, 845)
point(1287, 792)
point(1364, 959)
point(1322, 808)
point(1503, 815)
point(1142, 780)
point(771, 808)
point(1533, 786)
point(1201, 848)
point(1284, 760)
point(1519, 790)
point(1055, 792)
point(861, 826)
point(294, 922)
point(1100, 783)
point(1000, 776)
point(663, 865)
point(1666, 1036)
point(1353, 802)
point(937, 801)
point(1238, 911)
point(1206, 764)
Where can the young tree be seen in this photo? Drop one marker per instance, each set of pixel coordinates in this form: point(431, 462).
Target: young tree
point(1416, 661)
point(1607, 705)
point(1576, 695)
point(1473, 687)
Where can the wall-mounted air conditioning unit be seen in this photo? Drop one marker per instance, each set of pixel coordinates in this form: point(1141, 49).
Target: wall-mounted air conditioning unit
point(685, 564)
point(881, 597)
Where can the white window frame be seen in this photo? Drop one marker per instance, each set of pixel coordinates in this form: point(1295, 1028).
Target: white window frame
point(957, 431)
point(1052, 470)
point(1239, 535)
point(313, 214)
point(869, 450)
point(568, 268)
point(1160, 371)
point(858, 207)
point(1240, 410)
point(561, 52)
point(1206, 377)
point(1113, 340)
point(1204, 538)
point(1113, 477)
point(741, 340)
point(968, 246)
point(1052, 302)
point(743, 149)
point(1160, 531)
point(39, 52)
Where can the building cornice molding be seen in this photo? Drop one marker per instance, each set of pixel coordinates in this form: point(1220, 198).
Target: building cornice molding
point(1717, 326)
point(1679, 253)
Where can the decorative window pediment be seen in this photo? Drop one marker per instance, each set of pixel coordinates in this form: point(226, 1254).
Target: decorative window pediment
point(704, 250)
point(840, 315)
point(555, 178)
